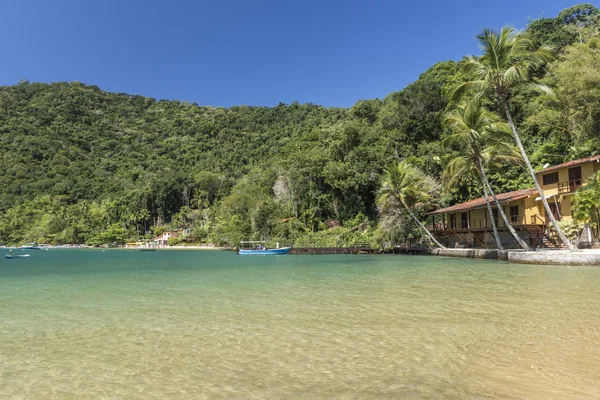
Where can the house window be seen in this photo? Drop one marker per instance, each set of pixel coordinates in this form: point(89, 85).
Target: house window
point(550, 178)
point(495, 214)
point(464, 221)
point(514, 214)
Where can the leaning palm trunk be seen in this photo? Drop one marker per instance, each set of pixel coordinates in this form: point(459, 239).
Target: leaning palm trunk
point(510, 228)
point(483, 178)
point(419, 223)
point(491, 214)
point(560, 233)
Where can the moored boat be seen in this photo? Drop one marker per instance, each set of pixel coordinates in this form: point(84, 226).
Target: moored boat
point(16, 255)
point(257, 247)
point(30, 246)
point(283, 250)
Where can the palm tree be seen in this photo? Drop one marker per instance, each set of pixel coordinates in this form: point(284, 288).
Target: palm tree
point(132, 217)
point(506, 63)
point(483, 140)
point(406, 186)
point(143, 216)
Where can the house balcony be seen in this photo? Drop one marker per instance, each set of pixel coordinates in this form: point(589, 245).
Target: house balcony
point(569, 186)
point(483, 225)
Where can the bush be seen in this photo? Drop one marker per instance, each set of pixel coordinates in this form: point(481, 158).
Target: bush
point(571, 229)
point(173, 241)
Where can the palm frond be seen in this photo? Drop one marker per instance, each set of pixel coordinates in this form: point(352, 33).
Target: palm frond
point(465, 87)
point(506, 61)
point(537, 87)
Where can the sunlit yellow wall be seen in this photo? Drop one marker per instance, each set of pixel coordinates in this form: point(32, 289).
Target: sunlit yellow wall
point(587, 170)
point(478, 218)
point(565, 208)
point(531, 209)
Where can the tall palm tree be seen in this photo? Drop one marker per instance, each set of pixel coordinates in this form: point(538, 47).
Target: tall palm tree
point(482, 140)
point(506, 63)
point(406, 186)
point(143, 216)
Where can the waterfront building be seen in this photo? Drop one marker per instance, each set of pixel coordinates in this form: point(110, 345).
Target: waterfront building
point(468, 224)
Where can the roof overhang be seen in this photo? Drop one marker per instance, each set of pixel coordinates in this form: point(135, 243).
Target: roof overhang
point(570, 164)
point(456, 208)
point(547, 197)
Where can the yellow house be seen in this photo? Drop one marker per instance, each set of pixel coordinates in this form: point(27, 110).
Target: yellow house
point(468, 224)
point(560, 182)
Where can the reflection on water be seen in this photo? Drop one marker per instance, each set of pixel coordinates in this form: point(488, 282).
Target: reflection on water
point(187, 325)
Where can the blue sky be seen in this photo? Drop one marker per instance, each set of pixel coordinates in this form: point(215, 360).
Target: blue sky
point(259, 52)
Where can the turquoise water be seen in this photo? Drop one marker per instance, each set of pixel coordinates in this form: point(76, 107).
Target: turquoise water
point(210, 324)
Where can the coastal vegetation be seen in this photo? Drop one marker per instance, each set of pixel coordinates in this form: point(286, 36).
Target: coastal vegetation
point(406, 189)
point(507, 63)
point(586, 207)
point(81, 165)
point(481, 141)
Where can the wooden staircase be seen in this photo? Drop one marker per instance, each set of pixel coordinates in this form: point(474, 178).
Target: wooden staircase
point(551, 242)
point(548, 241)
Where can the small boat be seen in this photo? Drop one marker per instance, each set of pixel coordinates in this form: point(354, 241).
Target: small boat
point(257, 247)
point(283, 250)
point(30, 246)
point(16, 255)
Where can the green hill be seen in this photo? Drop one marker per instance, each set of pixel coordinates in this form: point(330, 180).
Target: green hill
point(83, 165)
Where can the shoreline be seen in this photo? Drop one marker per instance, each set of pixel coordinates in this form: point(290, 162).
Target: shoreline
point(58, 248)
point(188, 248)
point(587, 257)
point(557, 257)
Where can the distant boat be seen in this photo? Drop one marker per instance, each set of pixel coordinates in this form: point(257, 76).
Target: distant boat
point(30, 246)
point(283, 250)
point(260, 249)
point(16, 255)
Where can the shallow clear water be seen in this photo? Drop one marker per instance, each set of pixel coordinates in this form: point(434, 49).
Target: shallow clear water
point(202, 324)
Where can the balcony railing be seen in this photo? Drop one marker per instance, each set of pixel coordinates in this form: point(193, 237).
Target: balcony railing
point(569, 187)
point(515, 220)
point(537, 220)
point(478, 223)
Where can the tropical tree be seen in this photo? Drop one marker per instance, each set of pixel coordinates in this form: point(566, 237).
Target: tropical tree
point(404, 186)
point(143, 215)
point(133, 218)
point(508, 62)
point(586, 205)
point(482, 140)
point(572, 114)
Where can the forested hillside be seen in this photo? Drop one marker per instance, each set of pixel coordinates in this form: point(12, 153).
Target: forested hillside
point(80, 165)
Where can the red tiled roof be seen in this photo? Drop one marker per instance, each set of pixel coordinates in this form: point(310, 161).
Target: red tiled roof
point(480, 202)
point(570, 164)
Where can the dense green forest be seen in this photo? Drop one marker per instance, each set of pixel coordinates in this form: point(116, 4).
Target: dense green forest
point(81, 165)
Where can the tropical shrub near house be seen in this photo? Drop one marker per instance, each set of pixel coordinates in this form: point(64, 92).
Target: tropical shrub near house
point(586, 205)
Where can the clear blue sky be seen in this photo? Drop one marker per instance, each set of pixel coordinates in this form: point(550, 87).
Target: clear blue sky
point(258, 52)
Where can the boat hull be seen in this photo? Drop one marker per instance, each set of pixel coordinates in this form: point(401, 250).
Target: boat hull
point(283, 250)
point(16, 256)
